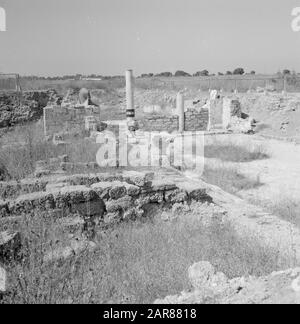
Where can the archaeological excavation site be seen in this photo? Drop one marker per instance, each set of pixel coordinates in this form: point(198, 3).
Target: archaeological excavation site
point(149, 155)
point(132, 195)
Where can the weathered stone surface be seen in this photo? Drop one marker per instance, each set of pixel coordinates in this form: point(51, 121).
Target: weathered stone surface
point(203, 275)
point(76, 247)
point(121, 204)
point(139, 179)
point(162, 185)
point(194, 190)
point(112, 218)
point(76, 199)
point(30, 109)
point(102, 189)
point(176, 196)
point(89, 208)
point(133, 213)
point(115, 189)
point(26, 203)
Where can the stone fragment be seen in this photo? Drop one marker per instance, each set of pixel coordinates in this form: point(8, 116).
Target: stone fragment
point(176, 196)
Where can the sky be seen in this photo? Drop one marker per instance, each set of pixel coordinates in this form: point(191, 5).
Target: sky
point(107, 37)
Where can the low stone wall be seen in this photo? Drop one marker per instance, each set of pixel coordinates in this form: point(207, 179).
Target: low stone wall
point(59, 119)
point(195, 120)
point(111, 197)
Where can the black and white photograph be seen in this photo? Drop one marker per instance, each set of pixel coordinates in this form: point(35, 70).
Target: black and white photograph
point(149, 154)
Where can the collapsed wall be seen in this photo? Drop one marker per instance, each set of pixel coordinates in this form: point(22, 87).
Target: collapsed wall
point(111, 197)
point(58, 119)
point(17, 108)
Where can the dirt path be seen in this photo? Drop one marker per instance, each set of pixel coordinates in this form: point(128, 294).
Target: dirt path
point(279, 174)
point(248, 220)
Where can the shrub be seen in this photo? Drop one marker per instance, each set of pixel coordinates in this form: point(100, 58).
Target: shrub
point(165, 74)
point(202, 73)
point(182, 74)
point(239, 71)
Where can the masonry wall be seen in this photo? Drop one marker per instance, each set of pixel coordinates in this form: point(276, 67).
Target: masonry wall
point(195, 120)
point(59, 119)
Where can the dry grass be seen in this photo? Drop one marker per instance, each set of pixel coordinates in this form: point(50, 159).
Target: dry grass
point(229, 152)
point(135, 263)
point(229, 179)
point(227, 83)
point(287, 209)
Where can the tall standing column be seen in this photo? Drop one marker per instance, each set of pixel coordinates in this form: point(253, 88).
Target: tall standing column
point(180, 111)
point(130, 111)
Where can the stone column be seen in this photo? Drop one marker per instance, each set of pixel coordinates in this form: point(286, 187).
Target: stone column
point(180, 111)
point(130, 111)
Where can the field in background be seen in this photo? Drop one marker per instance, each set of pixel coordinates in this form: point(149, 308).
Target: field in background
point(227, 83)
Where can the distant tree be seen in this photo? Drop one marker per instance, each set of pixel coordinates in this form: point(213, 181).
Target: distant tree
point(147, 75)
point(202, 73)
point(252, 72)
point(286, 72)
point(228, 73)
point(220, 73)
point(239, 71)
point(165, 74)
point(182, 73)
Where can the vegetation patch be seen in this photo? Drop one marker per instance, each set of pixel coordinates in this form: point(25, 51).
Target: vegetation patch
point(229, 179)
point(234, 153)
point(134, 263)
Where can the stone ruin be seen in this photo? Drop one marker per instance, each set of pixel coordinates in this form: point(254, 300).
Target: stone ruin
point(84, 204)
point(218, 114)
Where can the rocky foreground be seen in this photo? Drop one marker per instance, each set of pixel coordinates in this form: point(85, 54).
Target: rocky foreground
point(212, 287)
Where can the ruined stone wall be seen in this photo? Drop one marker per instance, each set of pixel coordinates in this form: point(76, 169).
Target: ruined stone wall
point(59, 119)
point(195, 120)
point(18, 108)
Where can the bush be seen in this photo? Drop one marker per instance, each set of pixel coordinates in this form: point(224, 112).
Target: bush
point(182, 74)
point(165, 74)
point(239, 71)
point(202, 73)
